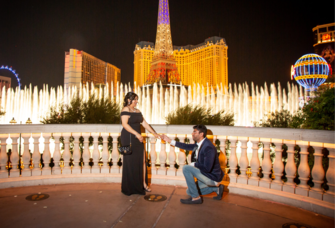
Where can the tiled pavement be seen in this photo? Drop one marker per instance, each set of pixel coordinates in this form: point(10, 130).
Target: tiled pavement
point(103, 205)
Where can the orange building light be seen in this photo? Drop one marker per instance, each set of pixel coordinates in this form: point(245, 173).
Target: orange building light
point(326, 37)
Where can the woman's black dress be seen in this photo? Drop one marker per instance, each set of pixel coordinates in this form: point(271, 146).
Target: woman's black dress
point(132, 165)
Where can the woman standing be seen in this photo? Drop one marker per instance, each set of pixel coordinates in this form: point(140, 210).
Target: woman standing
point(134, 170)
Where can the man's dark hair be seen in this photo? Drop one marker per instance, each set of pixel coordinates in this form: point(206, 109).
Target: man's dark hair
point(201, 128)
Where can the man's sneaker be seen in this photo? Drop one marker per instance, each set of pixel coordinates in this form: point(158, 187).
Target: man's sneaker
point(219, 196)
point(190, 201)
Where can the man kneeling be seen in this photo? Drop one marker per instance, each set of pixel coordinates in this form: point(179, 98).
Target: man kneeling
point(204, 166)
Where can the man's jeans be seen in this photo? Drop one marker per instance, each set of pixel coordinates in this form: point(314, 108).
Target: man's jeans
point(205, 184)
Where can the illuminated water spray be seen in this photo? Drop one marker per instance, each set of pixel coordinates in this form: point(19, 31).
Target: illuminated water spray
point(248, 103)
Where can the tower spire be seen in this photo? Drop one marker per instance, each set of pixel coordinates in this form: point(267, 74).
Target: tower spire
point(163, 46)
point(163, 66)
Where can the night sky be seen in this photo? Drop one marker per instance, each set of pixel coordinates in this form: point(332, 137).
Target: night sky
point(264, 37)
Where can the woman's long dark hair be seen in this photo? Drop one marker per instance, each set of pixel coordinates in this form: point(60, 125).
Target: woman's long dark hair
point(131, 96)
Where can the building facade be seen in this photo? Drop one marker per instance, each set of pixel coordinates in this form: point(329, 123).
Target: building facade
point(143, 54)
point(4, 82)
point(203, 63)
point(82, 68)
point(324, 41)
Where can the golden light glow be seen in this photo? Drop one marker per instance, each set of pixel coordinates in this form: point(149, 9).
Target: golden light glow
point(29, 121)
point(13, 121)
point(311, 76)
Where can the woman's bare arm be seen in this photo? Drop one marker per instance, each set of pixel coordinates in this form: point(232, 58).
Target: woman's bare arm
point(125, 125)
point(149, 128)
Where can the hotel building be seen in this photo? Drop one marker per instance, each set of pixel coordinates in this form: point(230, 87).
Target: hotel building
point(324, 41)
point(203, 63)
point(81, 67)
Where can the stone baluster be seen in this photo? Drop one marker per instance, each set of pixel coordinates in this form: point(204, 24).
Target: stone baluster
point(153, 155)
point(290, 168)
point(181, 158)
point(172, 161)
point(56, 170)
point(223, 154)
point(36, 171)
point(233, 159)
point(303, 170)
point(266, 164)
point(329, 195)
point(15, 171)
point(214, 140)
point(26, 172)
point(67, 154)
point(105, 153)
point(76, 169)
point(278, 166)
point(146, 142)
point(244, 162)
point(115, 156)
point(318, 172)
point(96, 153)
point(86, 154)
point(121, 159)
point(162, 159)
point(46, 154)
point(189, 156)
point(3, 156)
point(254, 163)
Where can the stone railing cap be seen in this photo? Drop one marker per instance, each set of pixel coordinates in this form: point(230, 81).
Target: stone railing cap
point(230, 131)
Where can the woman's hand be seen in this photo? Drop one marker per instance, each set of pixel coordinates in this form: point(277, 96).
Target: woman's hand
point(165, 138)
point(139, 137)
point(157, 136)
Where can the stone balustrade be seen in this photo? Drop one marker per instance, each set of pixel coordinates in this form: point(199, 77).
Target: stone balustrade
point(253, 156)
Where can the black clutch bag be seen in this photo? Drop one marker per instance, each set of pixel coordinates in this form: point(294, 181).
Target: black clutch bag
point(126, 150)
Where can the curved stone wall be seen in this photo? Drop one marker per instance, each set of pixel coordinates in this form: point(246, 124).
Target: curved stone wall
point(252, 156)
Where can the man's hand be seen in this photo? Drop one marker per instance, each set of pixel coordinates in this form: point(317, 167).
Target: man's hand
point(165, 138)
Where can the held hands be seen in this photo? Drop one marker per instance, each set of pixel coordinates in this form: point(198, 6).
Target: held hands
point(140, 137)
point(165, 138)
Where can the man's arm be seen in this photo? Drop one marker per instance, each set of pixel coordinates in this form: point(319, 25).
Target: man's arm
point(185, 146)
point(180, 145)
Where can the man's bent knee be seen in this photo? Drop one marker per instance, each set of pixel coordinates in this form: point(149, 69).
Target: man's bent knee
point(187, 168)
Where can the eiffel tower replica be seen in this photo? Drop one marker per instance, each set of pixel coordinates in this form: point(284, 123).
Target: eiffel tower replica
point(163, 66)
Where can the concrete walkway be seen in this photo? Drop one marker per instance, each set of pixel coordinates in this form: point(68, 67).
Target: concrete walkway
point(103, 205)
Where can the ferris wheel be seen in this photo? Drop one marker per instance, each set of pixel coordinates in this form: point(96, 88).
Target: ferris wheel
point(13, 71)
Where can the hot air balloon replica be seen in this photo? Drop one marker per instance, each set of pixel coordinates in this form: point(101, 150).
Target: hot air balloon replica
point(310, 71)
